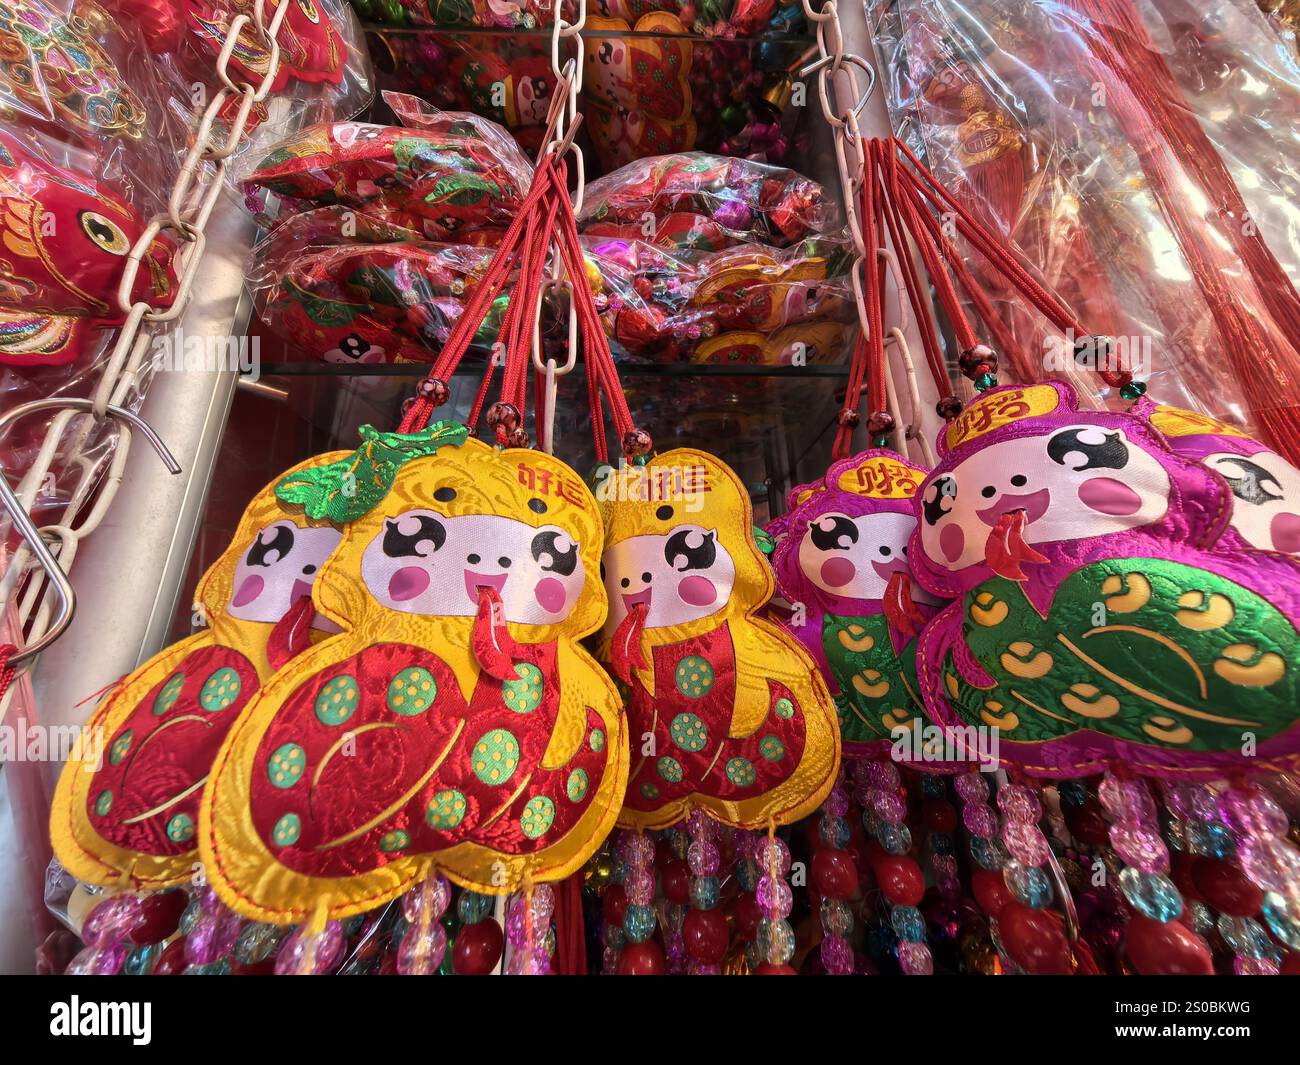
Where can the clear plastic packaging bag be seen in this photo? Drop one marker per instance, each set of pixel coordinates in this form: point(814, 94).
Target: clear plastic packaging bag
point(370, 293)
point(746, 304)
point(463, 176)
point(732, 200)
point(1023, 111)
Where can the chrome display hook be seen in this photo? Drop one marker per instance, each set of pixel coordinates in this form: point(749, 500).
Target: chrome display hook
point(32, 535)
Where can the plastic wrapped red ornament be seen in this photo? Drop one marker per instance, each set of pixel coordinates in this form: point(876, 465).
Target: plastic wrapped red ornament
point(1224, 887)
point(834, 873)
point(990, 891)
point(676, 878)
point(614, 905)
point(901, 879)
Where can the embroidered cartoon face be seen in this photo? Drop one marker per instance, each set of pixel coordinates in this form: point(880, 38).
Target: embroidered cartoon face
point(1076, 481)
point(424, 562)
point(278, 569)
point(681, 576)
point(855, 557)
point(1266, 498)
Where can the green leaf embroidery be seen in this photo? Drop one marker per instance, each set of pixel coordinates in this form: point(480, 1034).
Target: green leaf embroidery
point(346, 490)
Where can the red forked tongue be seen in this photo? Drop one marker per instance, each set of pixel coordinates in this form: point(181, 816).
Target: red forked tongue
point(491, 640)
point(625, 651)
point(292, 633)
point(900, 611)
point(1005, 548)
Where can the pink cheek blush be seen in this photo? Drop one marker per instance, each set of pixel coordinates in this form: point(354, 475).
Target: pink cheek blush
point(837, 572)
point(550, 595)
point(407, 583)
point(1109, 496)
point(249, 590)
point(1285, 532)
point(697, 591)
point(952, 542)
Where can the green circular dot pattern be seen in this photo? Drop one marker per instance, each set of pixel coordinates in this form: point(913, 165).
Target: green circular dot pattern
point(104, 803)
point(524, 695)
point(771, 748)
point(394, 841)
point(741, 772)
point(538, 816)
point(287, 765)
point(445, 810)
point(412, 692)
point(694, 676)
point(171, 691)
point(669, 769)
point(337, 700)
point(597, 740)
point(688, 732)
point(649, 791)
point(287, 830)
point(496, 756)
point(784, 708)
point(220, 690)
point(121, 747)
point(180, 829)
point(576, 786)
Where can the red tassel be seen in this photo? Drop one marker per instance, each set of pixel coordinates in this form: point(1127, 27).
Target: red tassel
point(625, 651)
point(491, 641)
point(1005, 548)
point(292, 633)
point(570, 928)
point(900, 611)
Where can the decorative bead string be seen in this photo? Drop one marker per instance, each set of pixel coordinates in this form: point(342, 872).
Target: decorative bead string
point(981, 820)
point(940, 820)
point(700, 927)
point(638, 852)
point(884, 811)
point(424, 944)
point(677, 897)
point(529, 931)
point(1028, 852)
point(480, 941)
point(1267, 856)
point(747, 877)
point(774, 942)
point(1152, 933)
point(835, 876)
point(613, 905)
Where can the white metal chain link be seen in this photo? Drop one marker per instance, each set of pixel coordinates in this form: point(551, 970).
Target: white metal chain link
point(193, 197)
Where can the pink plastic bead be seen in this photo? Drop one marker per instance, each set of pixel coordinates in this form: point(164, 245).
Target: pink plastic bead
point(1025, 843)
point(112, 920)
point(1252, 813)
point(889, 807)
point(639, 886)
point(915, 959)
point(1270, 862)
point(972, 787)
point(1126, 800)
point(420, 955)
point(981, 820)
point(1019, 803)
point(774, 898)
point(767, 851)
point(99, 961)
point(304, 954)
point(883, 775)
point(1140, 847)
point(837, 956)
point(703, 858)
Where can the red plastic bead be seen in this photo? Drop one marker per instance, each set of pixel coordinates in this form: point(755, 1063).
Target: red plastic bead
point(160, 915)
point(1224, 887)
point(171, 962)
point(1166, 948)
point(434, 390)
point(637, 442)
point(768, 969)
point(1087, 823)
point(881, 423)
point(849, 419)
point(747, 915)
point(1035, 940)
point(503, 415)
point(939, 815)
point(519, 438)
point(477, 949)
point(677, 882)
point(948, 408)
point(977, 360)
point(641, 959)
point(705, 934)
point(614, 905)
point(834, 873)
point(990, 891)
point(901, 880)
